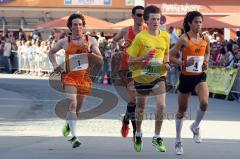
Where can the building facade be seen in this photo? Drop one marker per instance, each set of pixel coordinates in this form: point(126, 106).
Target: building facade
point(28, 14)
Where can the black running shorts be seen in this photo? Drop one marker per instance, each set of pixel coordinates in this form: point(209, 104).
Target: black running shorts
point(188, 83)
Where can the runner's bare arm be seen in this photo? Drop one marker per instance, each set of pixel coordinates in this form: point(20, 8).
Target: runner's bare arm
point(138, 59)
point(207, 53)
point(120, 35)
point(52, 52)
point(166, 63)
point(166, 57)
point(175, 49)
point(95, 50)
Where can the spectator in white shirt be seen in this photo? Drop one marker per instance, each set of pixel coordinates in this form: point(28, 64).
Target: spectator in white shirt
point(173, 36)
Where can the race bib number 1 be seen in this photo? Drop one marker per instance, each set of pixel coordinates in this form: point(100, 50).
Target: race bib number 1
point(78, 62)
point(152, 68)
point(197, 66)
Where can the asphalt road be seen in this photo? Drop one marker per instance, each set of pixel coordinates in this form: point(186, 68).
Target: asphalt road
point(30, 128)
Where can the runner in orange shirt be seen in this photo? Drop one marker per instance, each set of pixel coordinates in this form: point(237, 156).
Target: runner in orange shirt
point(128, 34)
point(195, 55)
point(80, 51)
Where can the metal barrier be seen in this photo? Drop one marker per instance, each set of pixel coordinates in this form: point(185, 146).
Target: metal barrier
point(236, 85)
point(39, 62)
point(36, 62)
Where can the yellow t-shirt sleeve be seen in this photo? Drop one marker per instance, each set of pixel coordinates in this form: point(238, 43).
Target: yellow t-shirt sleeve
point(134, 48)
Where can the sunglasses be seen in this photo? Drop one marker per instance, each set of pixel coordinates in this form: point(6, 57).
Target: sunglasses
point(139, 15)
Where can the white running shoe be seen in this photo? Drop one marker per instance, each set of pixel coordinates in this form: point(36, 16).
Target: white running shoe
point(178, 148)
point(196, 134)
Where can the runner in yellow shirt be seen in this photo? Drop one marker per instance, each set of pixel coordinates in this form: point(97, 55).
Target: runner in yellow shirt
point(149, 63)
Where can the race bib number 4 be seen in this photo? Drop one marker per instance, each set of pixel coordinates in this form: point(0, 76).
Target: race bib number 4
point(152, 68)
point(197, 65)
point(78, 62)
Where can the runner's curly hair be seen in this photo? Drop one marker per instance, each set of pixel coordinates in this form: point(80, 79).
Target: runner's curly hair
point(189, 18)
point(75, 16)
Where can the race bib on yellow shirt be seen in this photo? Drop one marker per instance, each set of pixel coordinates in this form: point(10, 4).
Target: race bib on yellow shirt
point(152, 68)
point(197, 66)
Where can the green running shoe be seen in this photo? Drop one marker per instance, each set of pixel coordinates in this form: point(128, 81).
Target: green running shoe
point(158, 144)
point(66, 130)
point(75, 142)
point(138, 144)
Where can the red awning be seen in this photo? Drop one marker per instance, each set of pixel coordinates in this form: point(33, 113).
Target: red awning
point(91, 23)
point(208, 22)
point(231, 19)
point(129, 22)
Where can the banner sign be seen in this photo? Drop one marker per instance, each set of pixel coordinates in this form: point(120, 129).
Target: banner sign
point(180, 8)
point(221, 80)
point(88, 2)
